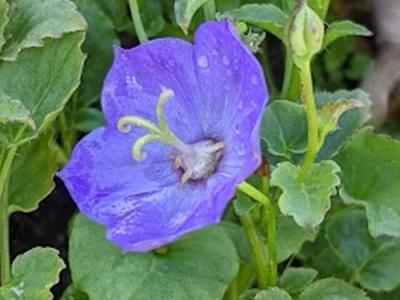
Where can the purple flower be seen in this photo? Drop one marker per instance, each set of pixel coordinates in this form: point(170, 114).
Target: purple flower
point(182, 132)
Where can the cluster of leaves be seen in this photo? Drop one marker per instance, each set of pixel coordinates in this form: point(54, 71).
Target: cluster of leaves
point(40, 67)
point(348, 247)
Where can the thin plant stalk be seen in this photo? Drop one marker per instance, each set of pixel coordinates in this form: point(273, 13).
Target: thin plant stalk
point(137, 21)
point(269, 210)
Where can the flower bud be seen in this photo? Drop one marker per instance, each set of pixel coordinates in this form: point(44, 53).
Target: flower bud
point(305, 33)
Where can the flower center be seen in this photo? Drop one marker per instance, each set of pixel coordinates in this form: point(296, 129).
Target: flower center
point(198, 160)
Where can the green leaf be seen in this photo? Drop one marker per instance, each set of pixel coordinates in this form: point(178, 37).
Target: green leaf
point(33, 274)
point(341, 29)
point(306, 201)
point(185, 10)
point(371, 178)
point(329, 115)
point(14, 111)
point(43, 79)
point(152, 17)
point(332, 289)
point(99, 48)
point(74, 293)
point(320, 7)
point(88, 119)
point(273, 293)
point(266, 16)
point(32, 173)
point(244, 205)
point(348, 123)
point(117, 11)
point(372, 262)
point(32, 21)
point(4, 8)
point(284, 128)
point(199, 266)
point(294, 280)
point(291, 237)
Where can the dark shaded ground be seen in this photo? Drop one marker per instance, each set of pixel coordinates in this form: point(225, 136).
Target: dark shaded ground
point(47, 226)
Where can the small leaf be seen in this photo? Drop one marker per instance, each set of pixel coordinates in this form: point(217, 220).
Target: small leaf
point(341, 29)
point(329, 114)
point(32, 173)
point(273, 293)
point(185, 10)
point(370, 178)
point(331, 289)
point(284, 128)
point(199, 266)
point(371, 262)
point(265, 16)
point(43, 79)
point(306, 201)
point(294, 280)
point(33, 274)
point(291, 237)
point(14, 111)
point(4, 8)
point(32, 21)
point(348, 123)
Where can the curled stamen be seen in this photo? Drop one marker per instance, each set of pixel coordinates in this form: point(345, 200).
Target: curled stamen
point(137, 147)
point(125, 124)
point(162, 100)
point(160, 132)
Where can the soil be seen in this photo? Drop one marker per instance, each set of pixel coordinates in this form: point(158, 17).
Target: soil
point(46, 227)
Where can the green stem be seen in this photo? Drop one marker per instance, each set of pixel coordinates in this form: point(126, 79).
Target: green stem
point(209, 10)
point(252, 192)
point(312, 117)
point(287, 76)
point(232, 292)
point(67, 136)
point(4, 221)
point(257, 250)
point(137, 21)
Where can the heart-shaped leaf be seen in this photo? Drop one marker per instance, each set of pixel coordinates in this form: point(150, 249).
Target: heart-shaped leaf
point(371, 178)
point(371, 262)
point(199, 266)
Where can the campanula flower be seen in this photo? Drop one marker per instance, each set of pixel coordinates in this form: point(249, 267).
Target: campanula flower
point(182, 132)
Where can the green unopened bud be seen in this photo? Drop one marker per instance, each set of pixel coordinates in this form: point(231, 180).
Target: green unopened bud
point(305, 33)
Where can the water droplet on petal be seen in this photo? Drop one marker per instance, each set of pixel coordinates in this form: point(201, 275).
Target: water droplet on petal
point(225, 60)
point(229, 72)
point(237, 129)
point(255, 80)
point(241, 150)
point(202, 61)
